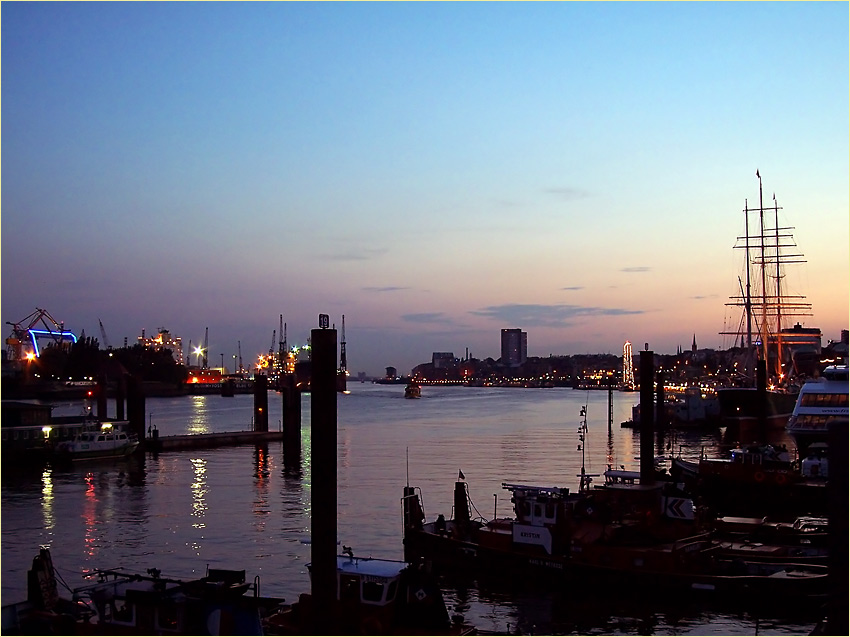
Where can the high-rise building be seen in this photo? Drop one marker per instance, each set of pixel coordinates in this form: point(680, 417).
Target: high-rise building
point(514, 347)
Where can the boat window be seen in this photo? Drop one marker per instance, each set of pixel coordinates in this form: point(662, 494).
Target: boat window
point(538, 512)
point(100, 438)
point(391, 590)
point(373, 592)
point(25, 434)
point(823, 400)
point(526, 509)
point(550, 510)
point(349, 588)
point(123, 612)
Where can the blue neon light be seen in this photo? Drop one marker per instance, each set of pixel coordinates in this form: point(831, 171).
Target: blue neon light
point(34, 334)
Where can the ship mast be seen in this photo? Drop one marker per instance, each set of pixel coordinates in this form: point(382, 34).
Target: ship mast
point(769, 306)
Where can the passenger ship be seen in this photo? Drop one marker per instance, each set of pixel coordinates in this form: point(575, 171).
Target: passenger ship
point(820, 401)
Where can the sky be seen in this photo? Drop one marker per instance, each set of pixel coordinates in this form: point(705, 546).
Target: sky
point(435, 172)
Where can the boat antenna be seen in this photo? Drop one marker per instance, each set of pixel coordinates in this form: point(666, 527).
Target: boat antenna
point(584, 479)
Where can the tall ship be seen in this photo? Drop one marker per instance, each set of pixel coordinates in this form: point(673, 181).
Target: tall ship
point(764, 390)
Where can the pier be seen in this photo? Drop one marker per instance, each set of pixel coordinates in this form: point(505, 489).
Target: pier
point(205, 441)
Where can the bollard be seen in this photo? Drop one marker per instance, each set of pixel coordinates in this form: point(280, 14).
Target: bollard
point(261, 403)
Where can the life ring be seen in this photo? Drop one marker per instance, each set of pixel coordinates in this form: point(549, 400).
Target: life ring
point(781, 478)
point(758, 476)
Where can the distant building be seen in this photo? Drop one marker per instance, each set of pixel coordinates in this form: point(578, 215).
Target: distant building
point(443, 360)
point(164, 340)
point(514, 347)
point(391, 372)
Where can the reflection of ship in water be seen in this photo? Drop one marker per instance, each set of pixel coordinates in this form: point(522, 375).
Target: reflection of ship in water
point(779, 352)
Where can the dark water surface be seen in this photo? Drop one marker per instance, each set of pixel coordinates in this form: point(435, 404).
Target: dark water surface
point(249, 507)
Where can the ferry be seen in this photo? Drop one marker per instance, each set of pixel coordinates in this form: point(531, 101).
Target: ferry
point(820, 401)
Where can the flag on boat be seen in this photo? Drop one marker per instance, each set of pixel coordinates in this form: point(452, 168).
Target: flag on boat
point(460, 475)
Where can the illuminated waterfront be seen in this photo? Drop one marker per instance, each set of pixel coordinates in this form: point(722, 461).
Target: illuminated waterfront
point(249, 508)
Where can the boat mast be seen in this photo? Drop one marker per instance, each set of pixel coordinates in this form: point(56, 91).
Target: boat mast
point(748, 301)
point(763, 328)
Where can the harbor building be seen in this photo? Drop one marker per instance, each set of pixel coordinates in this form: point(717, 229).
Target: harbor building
point(443, 360)
point(514, 347)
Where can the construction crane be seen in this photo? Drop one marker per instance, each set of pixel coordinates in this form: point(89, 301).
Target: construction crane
point(239, 349)
point(103, 334)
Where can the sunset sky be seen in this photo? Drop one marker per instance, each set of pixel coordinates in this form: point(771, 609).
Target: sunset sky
point(434, 172)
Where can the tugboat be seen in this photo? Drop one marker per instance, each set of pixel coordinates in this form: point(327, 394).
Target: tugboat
point(628, 534)
point(413, 390)
point(634, 530)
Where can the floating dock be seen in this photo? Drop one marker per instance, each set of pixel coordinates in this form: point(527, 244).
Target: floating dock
point(203, 441)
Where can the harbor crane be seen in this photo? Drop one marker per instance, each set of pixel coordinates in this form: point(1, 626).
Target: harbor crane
point(103, 334)
point(281, 347)
point(25, 332)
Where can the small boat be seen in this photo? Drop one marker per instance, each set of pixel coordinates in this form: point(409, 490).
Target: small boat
point(754, 480)
point(413, 390)
point(97, 441)
point(820, 401)
point(376, 597)
point(125, 603)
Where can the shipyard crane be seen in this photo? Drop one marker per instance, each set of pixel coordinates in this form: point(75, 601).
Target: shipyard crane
point(281, 347)
point(239, 349)
point(103, 334)
point(25, 330)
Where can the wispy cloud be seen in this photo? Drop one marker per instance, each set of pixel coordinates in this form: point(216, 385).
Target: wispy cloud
point(427, 317)
point(636, 268)
point(389, 288)
point(573, 288)
point(703, 296)
point(568, 194)
point(546, 315)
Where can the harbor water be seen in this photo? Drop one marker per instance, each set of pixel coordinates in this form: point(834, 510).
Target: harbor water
point(248, 507)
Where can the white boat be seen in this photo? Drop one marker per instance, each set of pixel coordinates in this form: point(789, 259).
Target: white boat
point(820, 401)
point(94, 442)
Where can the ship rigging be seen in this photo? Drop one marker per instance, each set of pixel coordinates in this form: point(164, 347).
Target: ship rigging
point(767, 305)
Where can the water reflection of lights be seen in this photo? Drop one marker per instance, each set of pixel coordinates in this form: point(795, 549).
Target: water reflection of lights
point(262, 470)
point(90, 517)
point(47, 501)
point(199, 421)
point(199, 491)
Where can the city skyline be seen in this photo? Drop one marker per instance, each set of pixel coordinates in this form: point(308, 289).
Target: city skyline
point(434, 172)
